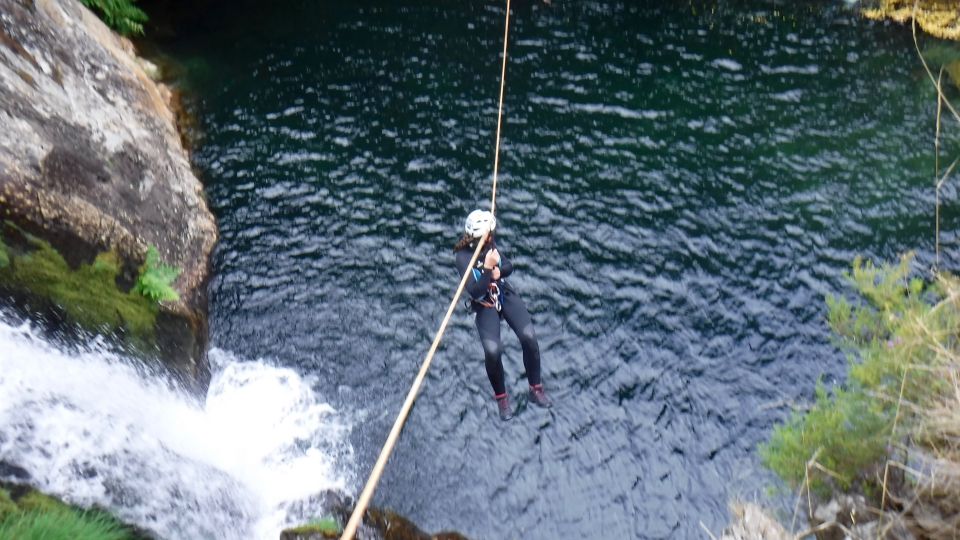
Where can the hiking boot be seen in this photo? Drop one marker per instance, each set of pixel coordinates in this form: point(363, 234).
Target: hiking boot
point(539, 397)
point(503, 406)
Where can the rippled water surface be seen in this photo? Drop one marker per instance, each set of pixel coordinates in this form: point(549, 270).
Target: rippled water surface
point(681, 185)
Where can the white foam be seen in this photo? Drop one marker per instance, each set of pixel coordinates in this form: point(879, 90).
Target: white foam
point(728, 64)
point(89, 426)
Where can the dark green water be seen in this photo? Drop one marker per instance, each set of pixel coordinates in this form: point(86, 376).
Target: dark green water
point(681, 186)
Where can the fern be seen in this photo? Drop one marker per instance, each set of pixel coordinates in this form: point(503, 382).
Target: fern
point(156, 279)
point(121, 15)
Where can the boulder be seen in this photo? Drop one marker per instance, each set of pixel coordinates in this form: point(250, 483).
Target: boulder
point(91, 163)
point(378, 524)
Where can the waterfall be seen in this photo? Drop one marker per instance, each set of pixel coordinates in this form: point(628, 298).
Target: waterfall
point(96, 428)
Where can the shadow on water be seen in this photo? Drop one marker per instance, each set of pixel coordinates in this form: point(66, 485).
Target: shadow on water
point(682, 184)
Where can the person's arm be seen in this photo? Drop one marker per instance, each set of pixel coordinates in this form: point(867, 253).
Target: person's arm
point(506, 267)
point(479, 280)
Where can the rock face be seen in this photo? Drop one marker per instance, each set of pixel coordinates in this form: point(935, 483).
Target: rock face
point(91, 161)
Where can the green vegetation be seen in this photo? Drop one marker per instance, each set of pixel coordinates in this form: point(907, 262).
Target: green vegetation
point(88, 295)
point(327, 526)
point(121, 15)
point(845, 428)
point(4, 255)
point(7, 506)
point(901, 402)
point(34, 501)
point(939, 18)
point(69, 525)
point(35, 516)
point(156, 279)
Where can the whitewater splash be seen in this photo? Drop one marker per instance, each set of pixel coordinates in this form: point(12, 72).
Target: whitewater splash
point(91, 427)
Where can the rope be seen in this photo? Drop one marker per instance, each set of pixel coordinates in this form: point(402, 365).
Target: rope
point(503, 81)
point(360, 509)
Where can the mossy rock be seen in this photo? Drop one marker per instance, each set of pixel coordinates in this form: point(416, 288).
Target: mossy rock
point(88, 295)
point(314, 530)
point(63, 525)
point(4, 255)
point(29, 514)
point(34, 501)
point(952, 69)
point(385, 524)
point(7, 506)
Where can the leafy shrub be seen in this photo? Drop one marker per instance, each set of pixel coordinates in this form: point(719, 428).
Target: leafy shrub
point(121, 15)
point(156, 279)
point(846, 427)
point(897, 331)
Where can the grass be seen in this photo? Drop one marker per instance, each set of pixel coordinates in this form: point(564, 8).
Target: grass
point(61, 525)
point(35, 516)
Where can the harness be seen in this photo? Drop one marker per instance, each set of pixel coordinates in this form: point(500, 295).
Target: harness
point(494, 297)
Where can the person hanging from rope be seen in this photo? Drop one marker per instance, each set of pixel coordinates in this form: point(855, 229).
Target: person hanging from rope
point(492, 298)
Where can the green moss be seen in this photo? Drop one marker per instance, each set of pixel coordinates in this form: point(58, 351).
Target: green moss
point(34, 501)
point(7, 507)
point(35, 516)
point(326, 526)
point(900, 333)
point(4, 255)
point(88, 295)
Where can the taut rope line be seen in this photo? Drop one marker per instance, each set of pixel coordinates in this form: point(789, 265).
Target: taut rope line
point(496, 152)
point(364, 500)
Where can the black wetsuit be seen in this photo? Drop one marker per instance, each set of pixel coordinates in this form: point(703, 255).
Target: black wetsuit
point(488, 319)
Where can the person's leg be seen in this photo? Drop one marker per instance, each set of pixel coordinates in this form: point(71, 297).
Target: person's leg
point(488, 326)
point(517, 316)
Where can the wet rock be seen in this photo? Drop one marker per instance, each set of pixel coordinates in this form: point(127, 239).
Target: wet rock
point(91, 161)
point(378, 524)
point(13, 472)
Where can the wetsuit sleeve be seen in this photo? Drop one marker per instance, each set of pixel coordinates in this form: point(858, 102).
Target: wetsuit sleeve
point(506, 267)
point(479, 281)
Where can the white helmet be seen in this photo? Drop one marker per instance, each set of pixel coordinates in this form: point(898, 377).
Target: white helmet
point(479, 222)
